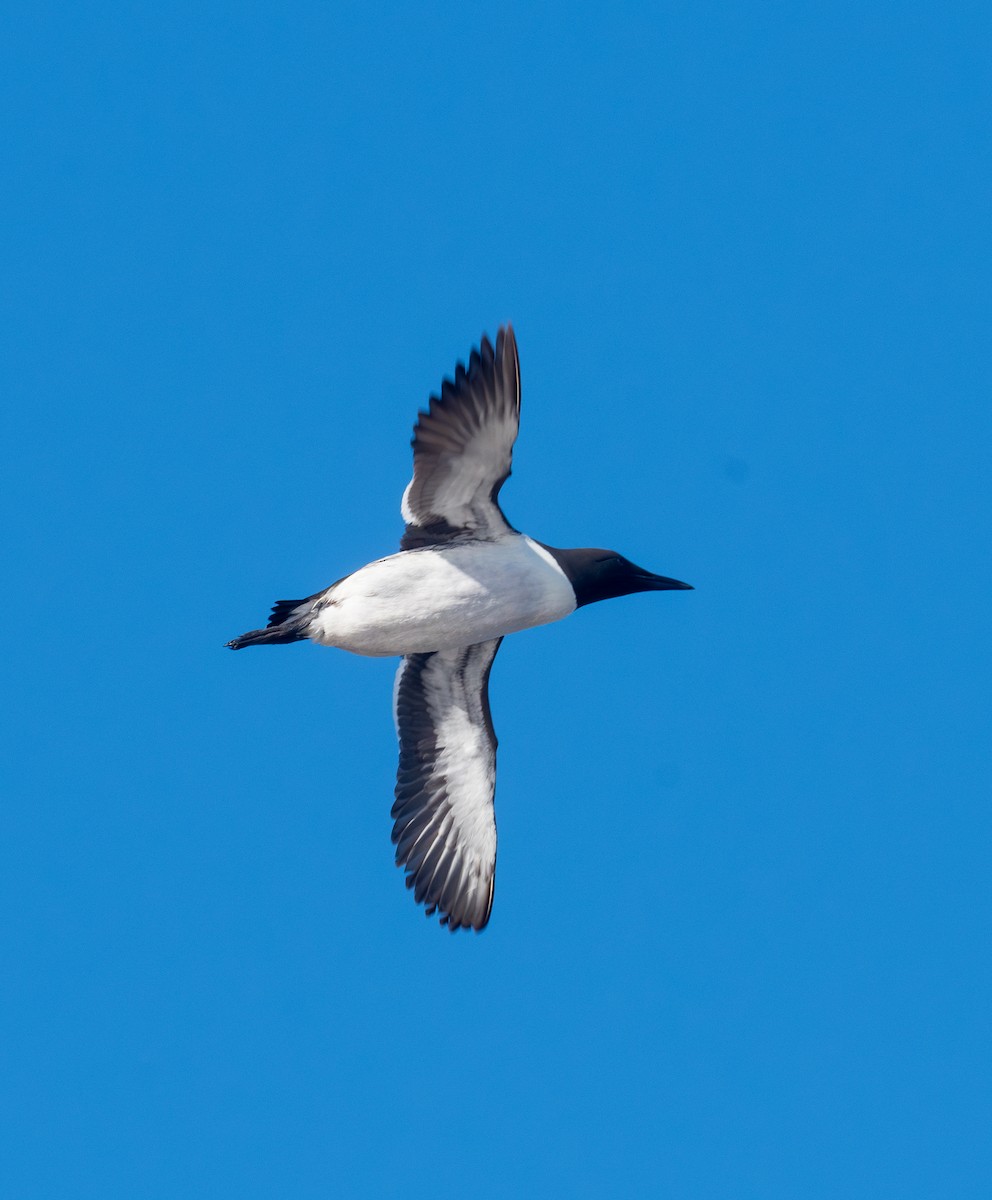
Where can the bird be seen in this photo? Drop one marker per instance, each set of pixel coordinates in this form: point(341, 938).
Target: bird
point(463, 579)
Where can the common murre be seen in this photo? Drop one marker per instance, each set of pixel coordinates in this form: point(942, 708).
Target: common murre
point(462, 580)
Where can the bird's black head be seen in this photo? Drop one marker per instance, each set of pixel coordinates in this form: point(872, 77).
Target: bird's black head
point(604, 574)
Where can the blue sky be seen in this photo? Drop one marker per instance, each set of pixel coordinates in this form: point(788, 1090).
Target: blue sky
point(740, 940)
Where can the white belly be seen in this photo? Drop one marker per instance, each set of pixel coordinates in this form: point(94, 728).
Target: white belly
point(422, 600)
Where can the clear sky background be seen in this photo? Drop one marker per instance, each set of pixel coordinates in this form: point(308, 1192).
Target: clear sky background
point(740, 945)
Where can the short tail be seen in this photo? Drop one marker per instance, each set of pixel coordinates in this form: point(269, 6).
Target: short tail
point(262, 637)
point(286, 624)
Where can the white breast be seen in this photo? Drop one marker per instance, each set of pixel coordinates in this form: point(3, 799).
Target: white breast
point(436, 599)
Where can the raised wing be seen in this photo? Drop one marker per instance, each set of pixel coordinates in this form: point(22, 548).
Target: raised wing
point(462, 447)
point(445, 826)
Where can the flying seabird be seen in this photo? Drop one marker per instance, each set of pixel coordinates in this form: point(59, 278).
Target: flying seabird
point(462, 580)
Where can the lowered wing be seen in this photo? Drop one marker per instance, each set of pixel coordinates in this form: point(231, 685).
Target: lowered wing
point(445, 825)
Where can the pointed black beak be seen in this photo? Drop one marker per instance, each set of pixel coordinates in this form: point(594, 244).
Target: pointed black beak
point(661, 583)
